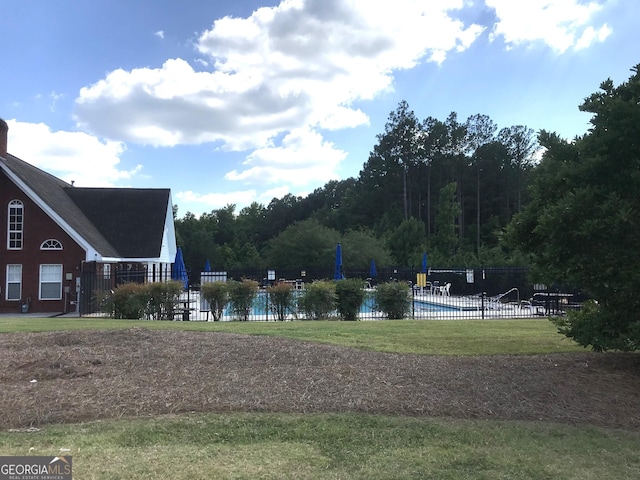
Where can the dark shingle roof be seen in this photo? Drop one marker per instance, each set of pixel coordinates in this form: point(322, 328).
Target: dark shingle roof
point(116, 222)
point(131, 219)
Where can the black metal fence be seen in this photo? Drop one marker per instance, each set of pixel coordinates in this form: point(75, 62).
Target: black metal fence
point(97, 280)
point(456, 293)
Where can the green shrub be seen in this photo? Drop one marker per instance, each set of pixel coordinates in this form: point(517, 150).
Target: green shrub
point(103, 301)
point(393, 299)
point(162, 298)
point(241, 297)
point(599, 328)
point(350, 295)
point(216, 294)
point(129, 300)
point(318, 300)
point(282, 301)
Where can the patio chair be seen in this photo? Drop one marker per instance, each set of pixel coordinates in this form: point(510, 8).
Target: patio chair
point(445, 290)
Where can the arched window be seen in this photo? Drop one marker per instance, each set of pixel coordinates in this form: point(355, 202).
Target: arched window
point(15, 225)
point(51, 244)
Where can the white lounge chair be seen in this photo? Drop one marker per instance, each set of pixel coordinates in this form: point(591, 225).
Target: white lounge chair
point(444, 290)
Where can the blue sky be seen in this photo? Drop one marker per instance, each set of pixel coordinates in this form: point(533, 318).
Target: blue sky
point(243, 101)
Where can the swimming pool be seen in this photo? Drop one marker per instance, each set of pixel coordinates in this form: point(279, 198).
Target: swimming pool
point(260, 308)
point(424, 306)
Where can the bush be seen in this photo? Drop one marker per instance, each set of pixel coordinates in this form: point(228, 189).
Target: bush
point(599, 328)
point(318, 300)
point(282, 301)
point(393, 299)
point(162, 299)
point(216, 294)
point(241, 297)
point(350, 295)
point(129, 300)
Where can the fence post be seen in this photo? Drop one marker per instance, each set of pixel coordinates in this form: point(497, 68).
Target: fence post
point(483, 292)
point(413, 303)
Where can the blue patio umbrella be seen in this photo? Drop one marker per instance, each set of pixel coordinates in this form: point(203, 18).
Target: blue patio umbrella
point(424, 263)
point(339, 273)
point(372, 270)
point(207, 266)
point(179, 271)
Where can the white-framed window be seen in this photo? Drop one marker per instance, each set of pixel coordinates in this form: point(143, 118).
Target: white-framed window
point(106, 270)
point(50, 282)
point(14, 282)
point(15, 225)
point(51, 244)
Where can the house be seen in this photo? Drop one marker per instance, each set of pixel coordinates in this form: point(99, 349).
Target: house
point(60, 243)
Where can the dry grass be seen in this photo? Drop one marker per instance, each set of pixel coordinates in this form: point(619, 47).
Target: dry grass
point(88, 375)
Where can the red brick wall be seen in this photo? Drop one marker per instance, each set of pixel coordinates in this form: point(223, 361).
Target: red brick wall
point(38, 227)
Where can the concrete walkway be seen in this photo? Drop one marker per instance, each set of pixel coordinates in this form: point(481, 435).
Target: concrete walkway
point(40, 315)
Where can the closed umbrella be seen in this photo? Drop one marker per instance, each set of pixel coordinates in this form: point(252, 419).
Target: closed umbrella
point(424, 263)
point(373, 273)
point(207, 266)
point(179, 271)
point(338, 274)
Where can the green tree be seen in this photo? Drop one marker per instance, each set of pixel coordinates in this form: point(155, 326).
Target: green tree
point(434, 143)
point(303, 244)
point(445, 240)
point(520, 142)
point(582, 225)
point(408, 241)
point(280, 214)
point(250, 226)
point(362, 246)
point(196, 237)
point(386, 180)
point(225, 224)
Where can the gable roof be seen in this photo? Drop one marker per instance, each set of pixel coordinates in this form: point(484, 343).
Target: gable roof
point(131, 219)
point(117, 223)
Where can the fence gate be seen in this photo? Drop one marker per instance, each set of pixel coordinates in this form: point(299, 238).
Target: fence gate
point(98, 279)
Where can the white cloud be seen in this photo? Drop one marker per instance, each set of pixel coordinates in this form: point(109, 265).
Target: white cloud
point(198, 203)
point(591, 35)
point(561, 24)
point(159, 34)
point(268, 195)
point(54, 100)
point(297, 67)
point(64, 154)
point(303, 156)
point(212, 201)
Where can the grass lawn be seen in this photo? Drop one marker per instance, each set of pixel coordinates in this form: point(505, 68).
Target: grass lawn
point(429, 337)
point(332, 447)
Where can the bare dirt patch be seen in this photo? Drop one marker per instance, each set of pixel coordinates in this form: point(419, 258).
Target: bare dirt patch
point(63, 377)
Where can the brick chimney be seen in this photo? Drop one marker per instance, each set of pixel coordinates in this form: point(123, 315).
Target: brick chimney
point(4, 130)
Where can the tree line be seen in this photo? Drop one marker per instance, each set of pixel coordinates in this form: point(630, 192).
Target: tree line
point(448, 187)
